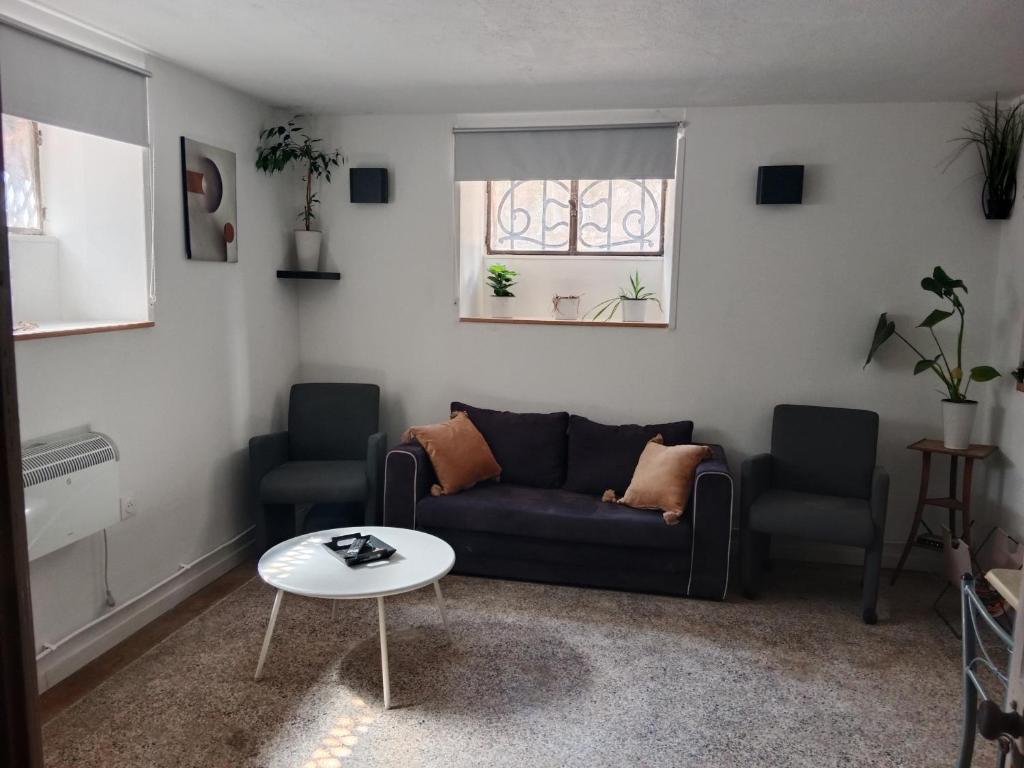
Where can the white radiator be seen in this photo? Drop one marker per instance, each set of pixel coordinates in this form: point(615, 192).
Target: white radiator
point(72, 489)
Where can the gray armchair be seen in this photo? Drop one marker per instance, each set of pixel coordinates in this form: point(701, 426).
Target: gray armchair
point(331, 453)
point(819, 482)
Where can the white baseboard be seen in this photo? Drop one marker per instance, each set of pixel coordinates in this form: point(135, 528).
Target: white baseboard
point(794, 549)
point(104, 635)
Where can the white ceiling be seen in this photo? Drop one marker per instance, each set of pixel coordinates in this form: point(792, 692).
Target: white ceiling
point(356, 56)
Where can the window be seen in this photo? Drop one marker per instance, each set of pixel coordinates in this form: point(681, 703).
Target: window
point(22, 195)
point(576, 217)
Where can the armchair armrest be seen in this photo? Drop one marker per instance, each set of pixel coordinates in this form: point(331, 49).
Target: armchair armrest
point(711, 504)
point(265, 453)
point(755, 479)
point(376, 448)
point(408, 475)
point(879, 498)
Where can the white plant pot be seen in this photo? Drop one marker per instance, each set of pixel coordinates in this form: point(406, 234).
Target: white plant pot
point(307, 249)
point(502, 306)
point(634, 310)
point(957, 423)
point(565, 307)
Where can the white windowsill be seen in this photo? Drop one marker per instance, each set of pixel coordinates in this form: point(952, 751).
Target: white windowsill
point(50, 330)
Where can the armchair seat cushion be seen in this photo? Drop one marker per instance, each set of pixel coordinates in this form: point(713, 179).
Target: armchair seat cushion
point(516, 510)
point(299, 482)
point(835, 519)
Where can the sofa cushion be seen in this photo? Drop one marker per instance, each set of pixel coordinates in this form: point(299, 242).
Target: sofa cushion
point(664, 477)
point(516, 510)
point(301, 482)
point(836, 519)
point(602, 456)
point(530, 447)
point(458, 452)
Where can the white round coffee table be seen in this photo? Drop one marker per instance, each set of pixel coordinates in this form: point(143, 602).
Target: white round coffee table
point(303, 566)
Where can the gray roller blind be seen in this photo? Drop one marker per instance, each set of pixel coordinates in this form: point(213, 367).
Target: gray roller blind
point(57, 83)
point(602, 152)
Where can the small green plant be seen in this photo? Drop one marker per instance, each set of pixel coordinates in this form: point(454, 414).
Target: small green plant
point(952, 376)
point(283, 145)
point(637, 292)
point(500, 279)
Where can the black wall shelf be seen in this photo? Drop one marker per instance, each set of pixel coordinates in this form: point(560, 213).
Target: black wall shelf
point(294, 274)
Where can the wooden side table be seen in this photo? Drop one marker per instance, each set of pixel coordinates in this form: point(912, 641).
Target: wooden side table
point(952, 503)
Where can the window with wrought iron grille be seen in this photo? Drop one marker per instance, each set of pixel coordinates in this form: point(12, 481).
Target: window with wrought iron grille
point(22, 193)
point(573, 217)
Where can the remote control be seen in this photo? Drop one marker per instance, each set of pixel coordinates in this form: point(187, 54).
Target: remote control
point(356, 546)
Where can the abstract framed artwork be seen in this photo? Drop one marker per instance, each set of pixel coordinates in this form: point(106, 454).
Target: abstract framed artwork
point(210, 202)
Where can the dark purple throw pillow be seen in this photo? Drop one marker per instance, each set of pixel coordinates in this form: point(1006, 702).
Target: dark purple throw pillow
point(530, 447)
point(603, 456)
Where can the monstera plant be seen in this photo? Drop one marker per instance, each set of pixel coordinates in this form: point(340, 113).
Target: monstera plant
point(958, 410)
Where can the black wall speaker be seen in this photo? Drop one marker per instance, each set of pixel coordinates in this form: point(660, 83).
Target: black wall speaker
point(780, 184)
point(368, 185)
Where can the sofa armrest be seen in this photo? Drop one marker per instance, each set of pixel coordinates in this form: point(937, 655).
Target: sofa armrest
point(376, 449)
point(755, 479)
point(879, 499)
point(408, 475)
point(265, 453)
point(711, 505)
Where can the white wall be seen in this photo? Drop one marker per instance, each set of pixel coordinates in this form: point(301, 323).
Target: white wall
point(774, 305)
point(1005, 416)
point(181, 399)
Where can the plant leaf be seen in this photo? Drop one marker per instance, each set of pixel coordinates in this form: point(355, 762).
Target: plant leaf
point(983, 373)
point(884, 329)
point(933, 319)
point(923, 365)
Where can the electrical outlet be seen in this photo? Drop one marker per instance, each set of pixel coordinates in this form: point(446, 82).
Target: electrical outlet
point(128, 507)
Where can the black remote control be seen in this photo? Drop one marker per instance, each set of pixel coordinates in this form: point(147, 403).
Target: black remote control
point(356, 546)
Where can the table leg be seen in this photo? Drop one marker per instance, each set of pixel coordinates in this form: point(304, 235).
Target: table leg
point(922, 494)
point(966, 500)
point(334, 608)
point(953, 466)
point(270, 633)
point(384, 653)
point(441, 608)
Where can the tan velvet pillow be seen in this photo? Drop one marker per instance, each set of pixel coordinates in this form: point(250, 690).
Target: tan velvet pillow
point(459, 453)
point(663, 478)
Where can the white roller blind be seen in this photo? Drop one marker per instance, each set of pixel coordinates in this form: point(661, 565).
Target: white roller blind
point(57, 83)
point(600, 152)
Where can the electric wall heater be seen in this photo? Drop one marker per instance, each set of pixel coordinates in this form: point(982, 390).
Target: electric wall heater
point(72, 489)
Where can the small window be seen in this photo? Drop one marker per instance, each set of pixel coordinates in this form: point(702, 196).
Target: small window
point(576, 217)
point(23, 197)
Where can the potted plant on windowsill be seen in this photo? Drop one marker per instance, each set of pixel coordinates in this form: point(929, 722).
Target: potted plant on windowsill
point(280, 147)
point(998, 134)
point(633, 302)
point(501, 279)
point(957, 411)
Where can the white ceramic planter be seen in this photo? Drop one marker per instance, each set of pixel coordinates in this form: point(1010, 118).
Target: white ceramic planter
point(957, 423)
point(502, 306)
point(565, 307)
point(307, 249)
point(634, 310)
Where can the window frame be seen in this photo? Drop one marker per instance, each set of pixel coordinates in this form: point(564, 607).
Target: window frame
point(573, 245)
point(37, 188)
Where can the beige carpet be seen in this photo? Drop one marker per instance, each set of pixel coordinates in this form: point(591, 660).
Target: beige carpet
point(541, 676)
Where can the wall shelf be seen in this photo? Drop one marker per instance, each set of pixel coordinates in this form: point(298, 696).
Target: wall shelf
point(295, 274)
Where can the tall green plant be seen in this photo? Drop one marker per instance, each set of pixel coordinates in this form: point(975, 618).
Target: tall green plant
point(637, 292)
point(500, 279)
point(283, 145)
point(997, 133)
point(952, 376)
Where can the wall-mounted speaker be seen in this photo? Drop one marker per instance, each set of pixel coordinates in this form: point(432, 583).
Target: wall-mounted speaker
point(368, 185)
point(780, 184)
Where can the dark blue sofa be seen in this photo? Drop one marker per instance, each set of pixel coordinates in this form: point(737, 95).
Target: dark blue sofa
point(545, 520)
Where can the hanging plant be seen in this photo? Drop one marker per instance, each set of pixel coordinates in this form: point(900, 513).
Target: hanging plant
point(997, 132)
